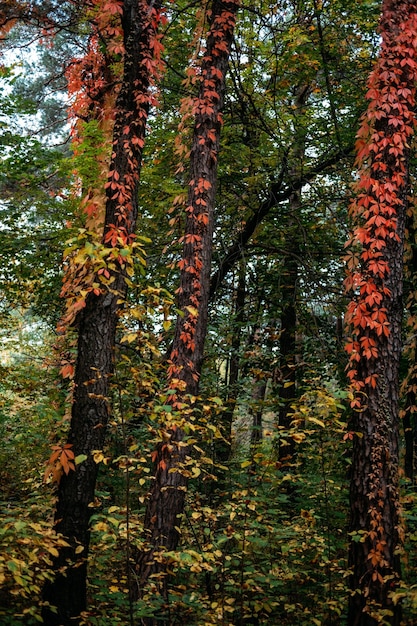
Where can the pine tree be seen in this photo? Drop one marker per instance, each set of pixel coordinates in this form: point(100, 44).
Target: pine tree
point(166, 500)
point(98, 313)
point(375, 314)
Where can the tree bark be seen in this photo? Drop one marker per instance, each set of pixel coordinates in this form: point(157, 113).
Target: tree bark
point(375, 314)
point(289, 280)
point(256, 411)
point(287, 345)
point(222, 449)
point(167, 496)
point(97, 321)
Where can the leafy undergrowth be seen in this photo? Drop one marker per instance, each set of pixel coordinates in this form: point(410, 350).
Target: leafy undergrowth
point(266, 543)
point(27, 545)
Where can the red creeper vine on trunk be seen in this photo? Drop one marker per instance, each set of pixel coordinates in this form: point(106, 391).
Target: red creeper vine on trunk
point(374, 315)
point(98, 314)
point(166, 500)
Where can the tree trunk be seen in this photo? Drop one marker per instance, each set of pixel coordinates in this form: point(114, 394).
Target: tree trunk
point(98, 319)
point(289, 280)
point(287, 346)
point(375, 315)
point(166, 500)
point(258, 397)
point(222, 449)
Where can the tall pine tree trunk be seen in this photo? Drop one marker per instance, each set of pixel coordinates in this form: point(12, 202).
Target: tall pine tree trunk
point(223, 447)
point(98, 319)
point(375, 315)
point(256, 411)
point(167, 496)
point(290, 278)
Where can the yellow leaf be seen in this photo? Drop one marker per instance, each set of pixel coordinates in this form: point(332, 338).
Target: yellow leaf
point(113, 521)
point(316, 421)
point(130, 338)
point(192, 310)
point(79, 549)
point(298, 437)
point(98, 456)
point(53, 551)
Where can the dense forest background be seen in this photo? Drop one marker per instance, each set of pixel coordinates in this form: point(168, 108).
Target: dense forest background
point(184, 438)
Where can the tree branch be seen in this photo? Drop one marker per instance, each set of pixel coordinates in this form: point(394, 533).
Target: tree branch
point(275, 197)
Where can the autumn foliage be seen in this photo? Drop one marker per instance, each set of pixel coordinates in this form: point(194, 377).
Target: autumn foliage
point(195, 265)
point(383, 147)
point(374, 315)
point(209, 463)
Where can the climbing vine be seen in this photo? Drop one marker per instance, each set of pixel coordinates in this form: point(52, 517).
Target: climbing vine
point(195, 264)
point(94, 305)
point(374, 315)
point(167, 497)
point(382, 155)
